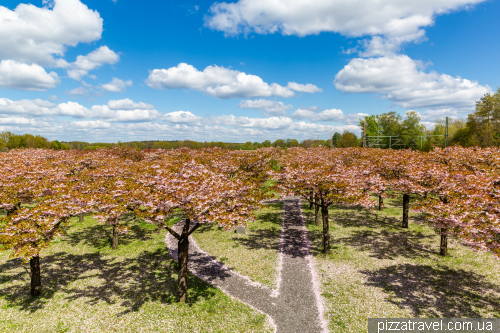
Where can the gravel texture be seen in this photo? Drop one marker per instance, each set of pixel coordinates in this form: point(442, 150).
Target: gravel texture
point(296, 305)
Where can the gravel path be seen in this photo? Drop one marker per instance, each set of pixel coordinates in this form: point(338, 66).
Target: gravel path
point(295, 306)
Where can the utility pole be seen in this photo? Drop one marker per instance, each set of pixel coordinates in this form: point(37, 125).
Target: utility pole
point(364, 134)
point(318, 140)
point(446, 134)
point(331, 140)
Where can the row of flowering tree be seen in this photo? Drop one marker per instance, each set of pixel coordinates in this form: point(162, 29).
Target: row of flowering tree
point(41, 190)
point(457, 189)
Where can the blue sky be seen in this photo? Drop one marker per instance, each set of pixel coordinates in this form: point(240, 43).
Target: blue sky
point(246, 70)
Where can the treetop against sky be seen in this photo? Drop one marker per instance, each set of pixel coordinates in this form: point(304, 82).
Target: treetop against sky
point(246, 70)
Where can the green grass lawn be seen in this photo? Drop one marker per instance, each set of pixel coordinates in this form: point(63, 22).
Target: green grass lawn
point(379, 270)
point(87, 287)
point(254, 254)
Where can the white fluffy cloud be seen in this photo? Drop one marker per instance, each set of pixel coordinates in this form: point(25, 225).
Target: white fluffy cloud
point(182, 117)
point(36, 107)
point(403, 81)
point(83, 64)
point(135, 115)
point(31, 34)
point(15, 75)
point(22, 121)
point(326, 115)
point(117, 85)
point(398, 20)
point(272, 123)
point(307, 88)
point(219, 82)
point(80, 91)
point(128, 104)
point(90, 124)
point(274, 108)
point(40, 108)
point(105, 113)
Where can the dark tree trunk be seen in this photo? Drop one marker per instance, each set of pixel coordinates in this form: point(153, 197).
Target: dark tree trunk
point(183, 248)
point(114, 244)
point(443, 249)
point(380, 202)
point(326, 229)
point(36, 281)
point(406, 210)
point(316, 213)
point(310, 204)
point(80, 217)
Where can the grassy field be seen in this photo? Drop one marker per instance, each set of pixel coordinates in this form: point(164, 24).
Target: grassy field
point(87, 287)
point(254, 254)
point(379, 270)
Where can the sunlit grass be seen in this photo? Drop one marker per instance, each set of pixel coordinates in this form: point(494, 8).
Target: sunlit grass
point(88, 287)
point(379, 270)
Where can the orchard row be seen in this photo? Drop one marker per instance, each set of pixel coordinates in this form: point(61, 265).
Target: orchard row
point(40, 190)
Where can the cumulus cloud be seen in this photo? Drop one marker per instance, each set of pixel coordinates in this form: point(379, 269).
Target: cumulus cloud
point(36, 107)
point(135, 115)
point(80, 91)
point(326, 115)
point(15, 75)
point(307, 88)
point(117, 85)
point(90, 124)
point(403, 81)
point(218, 81)
point(128, 104)
point(83, 64)
point(398, 20)
point(22, 121)
point(182, 117)
point(120, 110)
point(104, 112)
point(272, 123)
point(31, 34)
point(274, 108)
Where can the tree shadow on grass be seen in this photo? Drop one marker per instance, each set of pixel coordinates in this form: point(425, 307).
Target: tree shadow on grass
point(436, 291)
point(128, 282)
point(100, 236)
point(385, 239)
point(388, 244)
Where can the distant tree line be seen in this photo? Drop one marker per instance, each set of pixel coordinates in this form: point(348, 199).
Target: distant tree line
point(10, 140)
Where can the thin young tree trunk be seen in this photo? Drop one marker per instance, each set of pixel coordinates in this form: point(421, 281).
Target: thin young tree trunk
point(114, 244)
point(36, 281)
point(183, 248)
point(326, 229)
point(406, 209)
point(310, 204)
point(380, 202)
point(80, 217)
point(443, 249)
point(316, 213)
